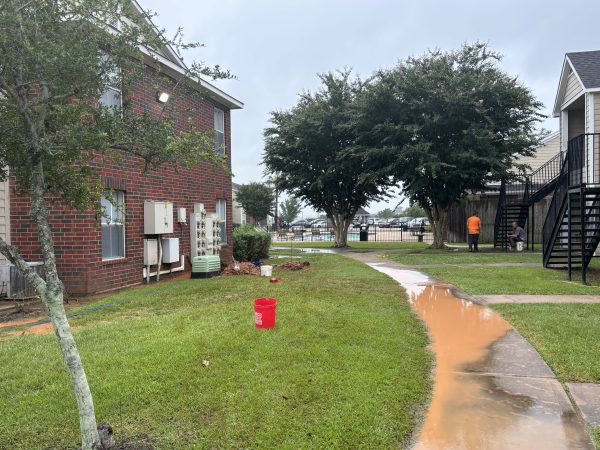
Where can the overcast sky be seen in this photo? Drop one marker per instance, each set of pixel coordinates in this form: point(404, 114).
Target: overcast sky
point(276, 47)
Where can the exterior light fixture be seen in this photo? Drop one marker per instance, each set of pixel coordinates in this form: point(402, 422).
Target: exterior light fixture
point(162, 97)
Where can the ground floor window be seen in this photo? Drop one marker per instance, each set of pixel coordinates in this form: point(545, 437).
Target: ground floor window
point(222, 213)
point(113, 224)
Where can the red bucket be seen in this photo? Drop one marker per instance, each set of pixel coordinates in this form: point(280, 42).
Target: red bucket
point(264, 312)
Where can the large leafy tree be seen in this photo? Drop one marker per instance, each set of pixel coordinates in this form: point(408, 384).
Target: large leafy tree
point(315, 148)
point(454, 122)
point(386, 213)
point(257, 199)
point(57, 58)
point(289, 209)
point(413, 210)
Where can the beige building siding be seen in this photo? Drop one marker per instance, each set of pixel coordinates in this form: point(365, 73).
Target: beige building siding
point(573, 89)
point(543, 153)
point(596, 112)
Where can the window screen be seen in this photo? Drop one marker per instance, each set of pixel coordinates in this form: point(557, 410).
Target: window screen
point(222, 213)
point(113, 225)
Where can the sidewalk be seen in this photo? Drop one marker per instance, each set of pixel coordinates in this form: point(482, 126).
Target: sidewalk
point(492, 388)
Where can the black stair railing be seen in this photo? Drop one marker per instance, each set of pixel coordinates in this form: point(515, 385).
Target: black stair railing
point(555, 213)
point(541, 180)
point(570, 175)
point(576, 160)
point(499, 212)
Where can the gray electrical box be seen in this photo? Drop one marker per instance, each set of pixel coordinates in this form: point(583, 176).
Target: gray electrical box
point(158, 217)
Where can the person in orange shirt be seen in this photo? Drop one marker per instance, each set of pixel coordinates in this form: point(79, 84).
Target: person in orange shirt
point(473, 229)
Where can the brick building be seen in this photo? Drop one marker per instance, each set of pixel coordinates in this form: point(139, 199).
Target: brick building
point(101, 254)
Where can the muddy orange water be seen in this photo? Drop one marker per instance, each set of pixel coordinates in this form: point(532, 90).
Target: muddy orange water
point(41, 328)
point(476, 409)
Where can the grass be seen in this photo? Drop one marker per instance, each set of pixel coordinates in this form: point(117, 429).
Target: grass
point(515, 280)
point(342, 368)
point(563, 334)
point(460, 256)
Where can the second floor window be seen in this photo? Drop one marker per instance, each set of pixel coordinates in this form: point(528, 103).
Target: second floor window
point(219, 131)
point(112, 97)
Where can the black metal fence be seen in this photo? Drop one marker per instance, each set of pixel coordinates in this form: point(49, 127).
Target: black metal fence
point(375, 234)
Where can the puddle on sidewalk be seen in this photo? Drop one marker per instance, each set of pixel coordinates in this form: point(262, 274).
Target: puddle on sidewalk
point(481, 408)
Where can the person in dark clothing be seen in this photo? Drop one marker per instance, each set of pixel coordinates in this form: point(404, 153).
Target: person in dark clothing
point(518, 235)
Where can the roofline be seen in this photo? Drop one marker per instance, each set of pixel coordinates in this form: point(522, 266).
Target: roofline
point(557, 108)
point(218, 94)
point(551, 136)
point(169, 49)
point(180, 67)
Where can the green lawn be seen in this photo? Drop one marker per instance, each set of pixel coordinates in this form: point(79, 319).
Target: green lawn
point(564, 334)
point(460, 256)
point(343, 368)
point(515, 280)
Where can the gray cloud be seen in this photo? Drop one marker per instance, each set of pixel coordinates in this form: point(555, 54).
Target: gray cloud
point(276, 47)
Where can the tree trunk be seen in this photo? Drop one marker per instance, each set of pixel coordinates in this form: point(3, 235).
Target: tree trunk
point(341, 224)
point(52, 297)
point(438, 217)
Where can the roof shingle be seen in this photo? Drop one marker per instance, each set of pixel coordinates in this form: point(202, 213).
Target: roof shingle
point(587, 66)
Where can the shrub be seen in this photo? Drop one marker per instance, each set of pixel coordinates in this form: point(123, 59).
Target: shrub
point(249, 243)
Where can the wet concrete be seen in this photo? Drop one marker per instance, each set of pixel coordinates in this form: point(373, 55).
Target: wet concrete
point(491, 388)
point(587, 397)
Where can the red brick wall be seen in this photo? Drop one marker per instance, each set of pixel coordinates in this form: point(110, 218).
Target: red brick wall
point(77, 235)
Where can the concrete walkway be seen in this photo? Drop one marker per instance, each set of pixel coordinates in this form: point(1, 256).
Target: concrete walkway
point(492, 389)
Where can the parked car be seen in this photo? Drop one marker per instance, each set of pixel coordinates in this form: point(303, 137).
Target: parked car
point(394, 223)
point(300, 224)
point(321, 224)
point(419, 224)
point(383, 223)
point(403, 222)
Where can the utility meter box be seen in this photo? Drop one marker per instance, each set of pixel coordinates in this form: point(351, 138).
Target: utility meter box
point(158, 217)
point(170, 250)
point(150, 252)
point(181, 215)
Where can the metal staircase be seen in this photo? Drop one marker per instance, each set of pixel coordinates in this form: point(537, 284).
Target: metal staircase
point(571, 232)
point(517, 196)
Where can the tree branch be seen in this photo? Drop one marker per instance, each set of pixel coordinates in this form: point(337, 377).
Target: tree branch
point(14, 256)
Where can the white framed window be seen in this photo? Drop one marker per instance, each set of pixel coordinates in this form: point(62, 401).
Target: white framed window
point(112, 97)
point(113, 224)
point(222, 213)
point(219, 131)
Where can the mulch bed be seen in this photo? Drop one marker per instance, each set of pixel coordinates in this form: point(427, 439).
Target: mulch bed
point(293, 265)
point(247, 268)
point(244, 268)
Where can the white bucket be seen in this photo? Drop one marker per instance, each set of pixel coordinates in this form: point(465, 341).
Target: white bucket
point(520, 246)
point(266, 271)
